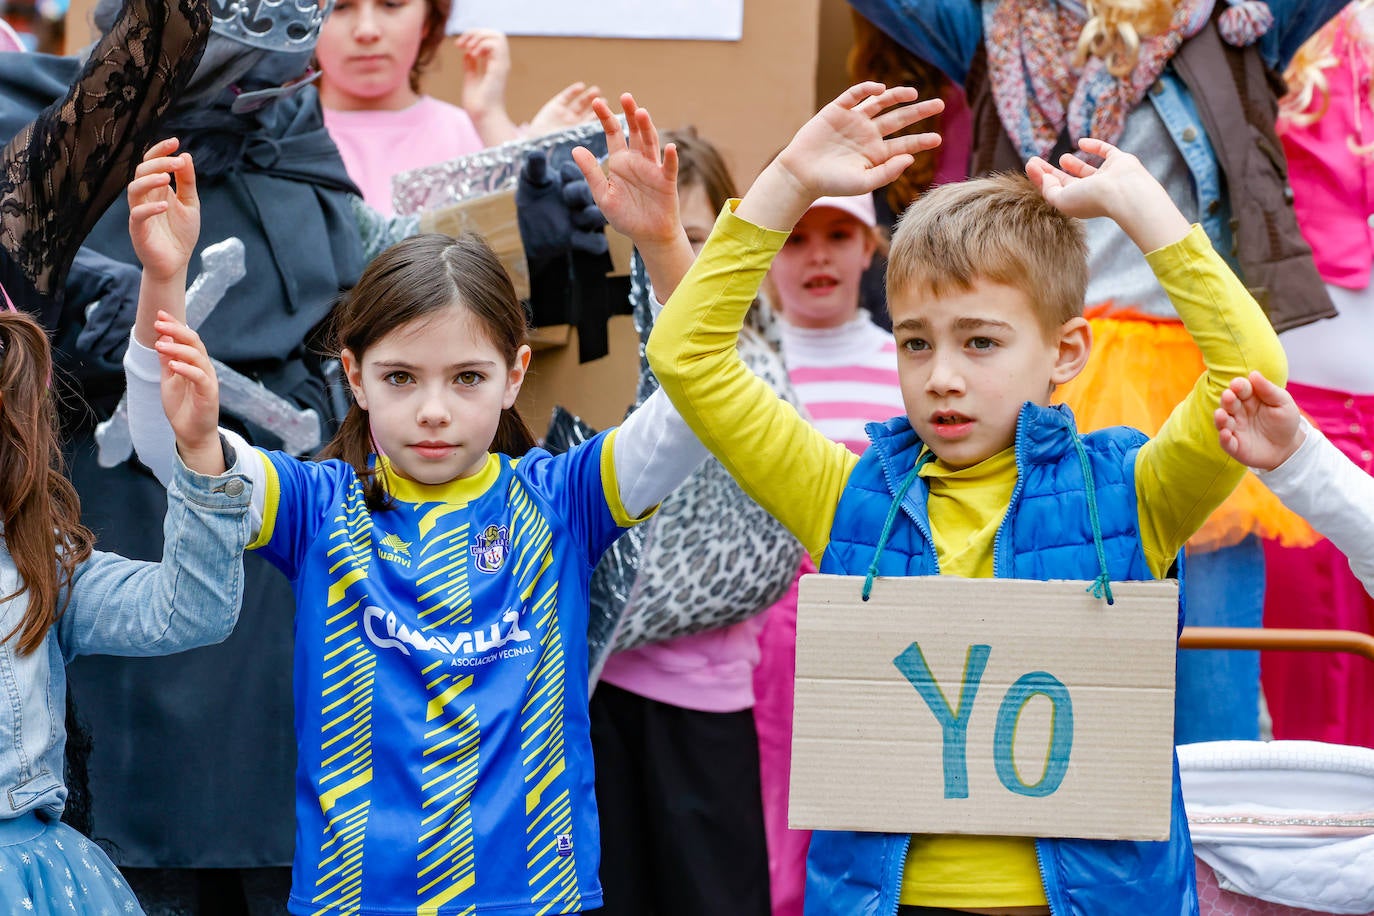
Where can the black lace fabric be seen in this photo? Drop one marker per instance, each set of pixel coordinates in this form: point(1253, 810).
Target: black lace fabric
point(59, 174)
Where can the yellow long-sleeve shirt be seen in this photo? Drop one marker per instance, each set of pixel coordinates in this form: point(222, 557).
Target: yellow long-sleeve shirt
point(798, 475)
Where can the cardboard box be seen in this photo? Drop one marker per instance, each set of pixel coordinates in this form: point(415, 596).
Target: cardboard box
point(984, 706)
point(493, 217)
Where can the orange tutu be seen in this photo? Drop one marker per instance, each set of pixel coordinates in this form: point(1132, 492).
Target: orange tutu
point(1141, 368)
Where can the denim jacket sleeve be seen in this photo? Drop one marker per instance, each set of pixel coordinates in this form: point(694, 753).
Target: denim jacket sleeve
point(945, 33)
point(192, 598)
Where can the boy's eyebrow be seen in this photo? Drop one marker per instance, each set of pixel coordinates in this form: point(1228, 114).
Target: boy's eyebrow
point(960, 324)
point(974, 324)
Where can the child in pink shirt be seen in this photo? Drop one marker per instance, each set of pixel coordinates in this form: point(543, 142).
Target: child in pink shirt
point(372, 53)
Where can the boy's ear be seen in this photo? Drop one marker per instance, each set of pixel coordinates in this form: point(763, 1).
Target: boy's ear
point(353, 371)
point(516, 377)
point(1074, 342)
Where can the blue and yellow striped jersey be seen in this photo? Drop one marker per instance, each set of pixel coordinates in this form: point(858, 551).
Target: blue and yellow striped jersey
point(445, 762)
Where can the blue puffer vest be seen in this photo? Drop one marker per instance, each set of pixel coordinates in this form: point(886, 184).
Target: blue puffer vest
point(1047, 534)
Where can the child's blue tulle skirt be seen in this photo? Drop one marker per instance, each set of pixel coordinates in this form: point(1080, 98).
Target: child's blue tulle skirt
point(47, 868)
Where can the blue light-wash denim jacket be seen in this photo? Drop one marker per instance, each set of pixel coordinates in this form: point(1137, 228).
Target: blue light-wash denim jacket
point(119, 607)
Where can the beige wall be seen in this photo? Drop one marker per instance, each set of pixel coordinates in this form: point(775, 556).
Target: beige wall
point(836, 35)
point(747, 97)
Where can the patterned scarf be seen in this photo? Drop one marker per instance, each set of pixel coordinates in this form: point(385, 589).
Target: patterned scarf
point(1040, 90)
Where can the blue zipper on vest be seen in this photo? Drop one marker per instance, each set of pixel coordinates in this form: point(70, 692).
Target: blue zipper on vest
point(1000, 569)
point(901, 874)
point(1040, 862)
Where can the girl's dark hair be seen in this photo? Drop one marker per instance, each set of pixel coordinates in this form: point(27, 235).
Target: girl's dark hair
point(39, 508)
point(436, 17)
point(415, 279)
point(699, 162)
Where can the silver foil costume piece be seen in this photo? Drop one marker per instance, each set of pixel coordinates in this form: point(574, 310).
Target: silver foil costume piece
point(222, 265)
point(493, 169)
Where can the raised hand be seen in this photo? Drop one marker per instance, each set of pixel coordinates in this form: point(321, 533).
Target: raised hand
point(1120, 188)
point(164, 218)
point(486, 67)
point(637, 193)
point(842, 151)
point(190, 394)
point(1257, 422)
point(570, 107)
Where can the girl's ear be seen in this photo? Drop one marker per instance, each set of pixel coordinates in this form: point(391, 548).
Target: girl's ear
point(516, 377)
point(353, 370)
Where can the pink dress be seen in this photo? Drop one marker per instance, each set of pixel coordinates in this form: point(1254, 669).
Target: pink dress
point(378, 144)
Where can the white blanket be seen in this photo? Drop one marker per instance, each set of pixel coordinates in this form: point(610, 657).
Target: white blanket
point(1291, 822)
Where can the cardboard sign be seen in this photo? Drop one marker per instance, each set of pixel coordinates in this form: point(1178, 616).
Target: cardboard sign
point(984, 706)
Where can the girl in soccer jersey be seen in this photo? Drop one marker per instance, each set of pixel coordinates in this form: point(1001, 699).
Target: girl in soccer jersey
point(440, 563)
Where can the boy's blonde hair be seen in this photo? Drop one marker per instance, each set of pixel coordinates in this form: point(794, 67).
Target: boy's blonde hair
point(998, 229)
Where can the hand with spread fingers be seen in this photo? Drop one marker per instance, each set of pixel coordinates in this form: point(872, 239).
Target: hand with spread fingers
point(637, 191)
point(844, 150)
point(570, 107)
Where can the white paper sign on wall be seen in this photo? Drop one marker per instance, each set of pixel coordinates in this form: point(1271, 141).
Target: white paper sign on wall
point(715, 20)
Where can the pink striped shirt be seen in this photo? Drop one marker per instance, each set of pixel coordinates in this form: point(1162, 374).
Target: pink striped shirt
point(846, 377)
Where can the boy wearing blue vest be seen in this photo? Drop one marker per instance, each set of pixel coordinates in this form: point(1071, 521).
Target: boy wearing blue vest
point(985, 284)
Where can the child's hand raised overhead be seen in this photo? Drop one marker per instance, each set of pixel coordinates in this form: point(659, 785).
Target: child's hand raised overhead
point(1120, 189)
point(190, 394)
point(842, 151)
point(164, 221)
point(486, 67)
point(1257, 422)
point(570, 107)
point(637, 193)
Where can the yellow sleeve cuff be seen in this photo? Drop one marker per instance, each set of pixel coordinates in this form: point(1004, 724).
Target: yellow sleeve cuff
point(611, 485)
point(271, 501)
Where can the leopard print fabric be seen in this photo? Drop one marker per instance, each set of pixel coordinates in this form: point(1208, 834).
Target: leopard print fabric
point(710, 557)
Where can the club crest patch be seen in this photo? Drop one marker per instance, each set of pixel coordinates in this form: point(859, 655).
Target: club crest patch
point(493, 544)
point(395, 550)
